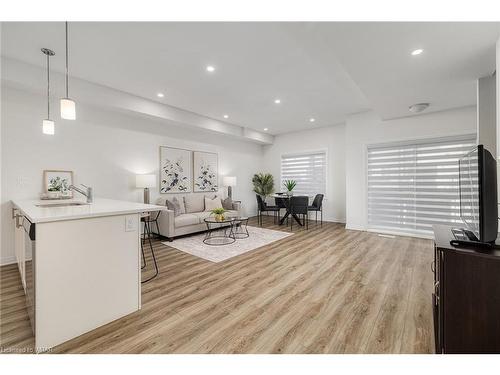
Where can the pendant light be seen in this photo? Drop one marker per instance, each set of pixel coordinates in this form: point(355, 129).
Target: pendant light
point(68, 106)
point(48, 124)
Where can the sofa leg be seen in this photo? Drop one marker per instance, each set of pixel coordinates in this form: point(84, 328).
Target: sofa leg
point(169, 239)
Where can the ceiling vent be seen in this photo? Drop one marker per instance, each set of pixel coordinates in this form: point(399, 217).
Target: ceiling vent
point(417, 108)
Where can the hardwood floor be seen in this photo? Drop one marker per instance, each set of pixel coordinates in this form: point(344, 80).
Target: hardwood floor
point(324, 290)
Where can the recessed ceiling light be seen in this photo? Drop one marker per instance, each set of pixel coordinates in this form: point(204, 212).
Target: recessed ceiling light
point(277, 101)
point(226, 116)
point(210, 69)
point(417, 52)
point(312, 119)
point(160, 95)
point(419, 107)
point(266, 129)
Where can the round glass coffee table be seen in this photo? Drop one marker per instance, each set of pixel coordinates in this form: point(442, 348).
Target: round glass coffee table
point(225, 232)
point(219, 232)
point(240, 228)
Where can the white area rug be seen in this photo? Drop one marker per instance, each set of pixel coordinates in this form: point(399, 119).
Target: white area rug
point(258, 237)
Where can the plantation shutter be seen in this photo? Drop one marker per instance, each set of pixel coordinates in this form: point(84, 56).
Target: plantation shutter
point(307, 169)
point(413, 186)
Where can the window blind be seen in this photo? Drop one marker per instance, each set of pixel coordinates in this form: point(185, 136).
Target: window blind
point(413, 186)
point(308, 169)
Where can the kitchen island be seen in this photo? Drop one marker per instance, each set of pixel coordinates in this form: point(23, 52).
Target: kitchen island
point(79, 264)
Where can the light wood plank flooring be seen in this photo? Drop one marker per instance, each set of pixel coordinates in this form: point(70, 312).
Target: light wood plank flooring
point(322, 290)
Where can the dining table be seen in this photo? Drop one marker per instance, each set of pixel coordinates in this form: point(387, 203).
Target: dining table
point(286, 200)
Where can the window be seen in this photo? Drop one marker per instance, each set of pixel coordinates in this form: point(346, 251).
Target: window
point(413, 186)
point(308, 169)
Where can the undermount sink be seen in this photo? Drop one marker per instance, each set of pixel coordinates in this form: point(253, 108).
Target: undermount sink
point(67, 204)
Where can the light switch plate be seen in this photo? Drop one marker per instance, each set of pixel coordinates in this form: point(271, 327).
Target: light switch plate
point(130, 223)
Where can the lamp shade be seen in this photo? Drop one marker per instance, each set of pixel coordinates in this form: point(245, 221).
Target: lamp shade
point(68, 109)
point(229, 181)
point(145, 180)
point(48, 127)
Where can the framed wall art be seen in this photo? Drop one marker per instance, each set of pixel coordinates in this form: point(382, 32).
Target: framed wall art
point(57, 183)
point(175, 170)
point(206, 174)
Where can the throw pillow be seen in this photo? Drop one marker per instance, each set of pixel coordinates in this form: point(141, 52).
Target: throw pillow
point(177, 206)
point(194, 203)
point(227, 204)
point(211, 204)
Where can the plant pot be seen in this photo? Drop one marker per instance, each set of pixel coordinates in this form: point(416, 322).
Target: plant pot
point(219, 217)
point(289, 193)
point(53, 194)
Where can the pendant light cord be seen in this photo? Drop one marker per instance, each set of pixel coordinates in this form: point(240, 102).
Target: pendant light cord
point(67, 96)
point(48, 87)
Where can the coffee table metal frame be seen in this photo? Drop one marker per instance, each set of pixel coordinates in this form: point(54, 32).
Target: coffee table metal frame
point(214, 227)
point(240, 229)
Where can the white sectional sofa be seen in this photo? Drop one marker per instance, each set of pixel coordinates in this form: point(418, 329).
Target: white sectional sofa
point(193, 220)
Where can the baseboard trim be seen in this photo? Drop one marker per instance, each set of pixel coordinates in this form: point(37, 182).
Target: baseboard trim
point(8, 260)
point(311, 218)
point(356, 227)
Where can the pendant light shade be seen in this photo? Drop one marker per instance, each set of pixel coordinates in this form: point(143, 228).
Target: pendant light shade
point(68, 106)
point(48, 126)
point(68, 109)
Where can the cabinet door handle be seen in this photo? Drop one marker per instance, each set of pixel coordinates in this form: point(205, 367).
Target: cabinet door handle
point(433, 266)
point(436, 288)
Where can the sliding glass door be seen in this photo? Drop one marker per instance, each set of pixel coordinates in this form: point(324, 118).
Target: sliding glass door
point(412, 186)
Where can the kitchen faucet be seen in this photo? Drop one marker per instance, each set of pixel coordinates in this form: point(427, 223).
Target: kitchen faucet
point(88, 192)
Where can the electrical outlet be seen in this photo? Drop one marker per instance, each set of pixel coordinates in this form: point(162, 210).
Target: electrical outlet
point(130, 223)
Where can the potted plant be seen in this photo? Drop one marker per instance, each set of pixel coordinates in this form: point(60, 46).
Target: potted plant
point(263, 184)
point(218, 213)
point(289, 185)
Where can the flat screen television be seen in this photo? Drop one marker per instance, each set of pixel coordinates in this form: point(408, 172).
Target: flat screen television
point(478, 195)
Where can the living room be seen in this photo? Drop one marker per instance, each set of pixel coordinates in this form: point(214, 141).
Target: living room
point(250, 187)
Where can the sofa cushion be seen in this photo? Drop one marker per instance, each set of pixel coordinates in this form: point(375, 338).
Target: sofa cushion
point(202, 215)
point(212, 203)
point(194, 203)
point(186, 219)
point(231, 213)
point(176, 205)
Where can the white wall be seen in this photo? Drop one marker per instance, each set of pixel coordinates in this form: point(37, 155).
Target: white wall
point(105, 149)
point(367, 128)
point(486, 113)
point(1, 127)
point(330, 138)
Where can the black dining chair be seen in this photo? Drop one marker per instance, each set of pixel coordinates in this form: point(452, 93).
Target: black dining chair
point(317, 206)
point(299, 206)
point(263, 207)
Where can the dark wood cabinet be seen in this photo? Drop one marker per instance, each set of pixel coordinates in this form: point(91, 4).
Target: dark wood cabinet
point(466, 297)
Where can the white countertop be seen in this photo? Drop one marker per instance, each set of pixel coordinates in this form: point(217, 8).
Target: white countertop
point(100, 207)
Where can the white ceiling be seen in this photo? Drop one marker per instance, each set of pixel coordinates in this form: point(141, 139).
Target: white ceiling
point(321, 70)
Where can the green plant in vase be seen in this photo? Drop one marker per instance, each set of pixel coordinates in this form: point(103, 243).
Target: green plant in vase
point(289, 186)
point(218, 213)
point(263, 184)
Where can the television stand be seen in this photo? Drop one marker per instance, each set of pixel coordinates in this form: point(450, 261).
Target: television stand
point(467, 238)
point(466, 303)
